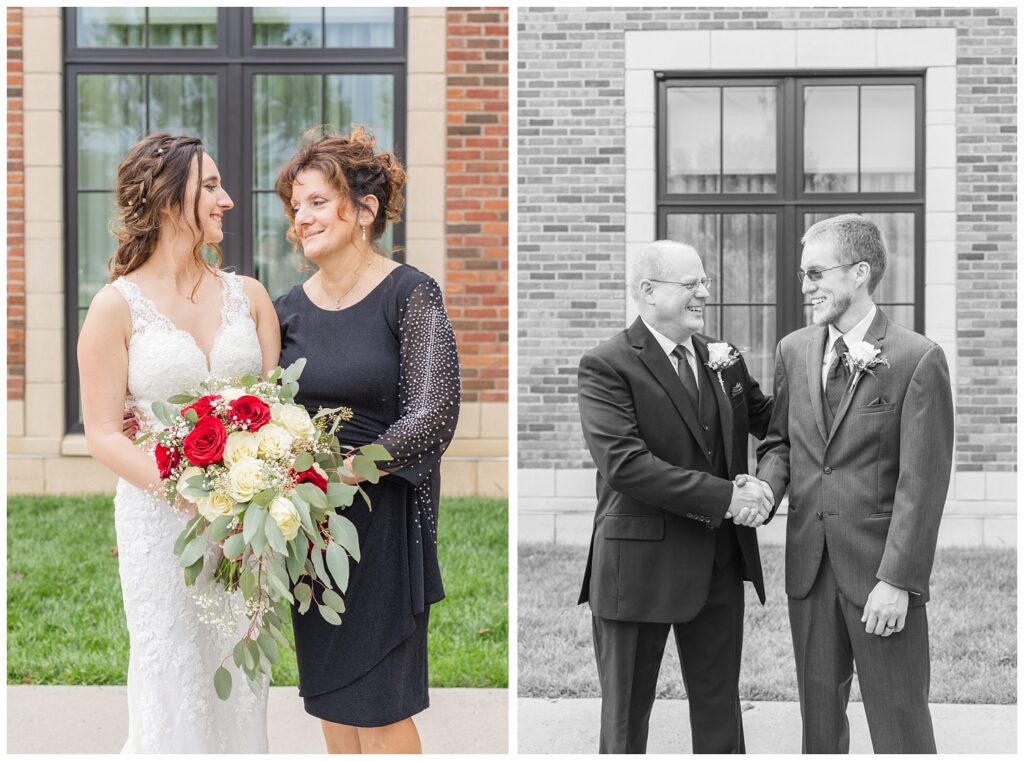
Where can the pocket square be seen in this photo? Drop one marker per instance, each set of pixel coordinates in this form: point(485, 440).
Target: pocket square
point(737, 389)
point(876, 402)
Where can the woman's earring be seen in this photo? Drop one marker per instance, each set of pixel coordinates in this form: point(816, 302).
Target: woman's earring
point(364, 233)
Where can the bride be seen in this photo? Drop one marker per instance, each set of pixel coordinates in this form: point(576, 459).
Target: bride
point(167, 322)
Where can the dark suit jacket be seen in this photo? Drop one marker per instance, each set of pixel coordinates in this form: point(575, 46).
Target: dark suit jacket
point(653, 545)
point(874, 486)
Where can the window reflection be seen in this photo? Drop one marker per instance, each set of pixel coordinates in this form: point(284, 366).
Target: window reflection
point(694, 139)
point(748, 129)
point(830, 139)
point(887, 139)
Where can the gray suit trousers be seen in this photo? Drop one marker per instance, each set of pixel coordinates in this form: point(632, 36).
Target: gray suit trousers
point(893, 672)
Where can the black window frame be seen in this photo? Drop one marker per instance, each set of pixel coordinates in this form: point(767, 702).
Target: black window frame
point(790, 202)
point(234, 63)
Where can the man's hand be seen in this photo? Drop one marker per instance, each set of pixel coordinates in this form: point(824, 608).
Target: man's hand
point(886, 610)
point(750, 504)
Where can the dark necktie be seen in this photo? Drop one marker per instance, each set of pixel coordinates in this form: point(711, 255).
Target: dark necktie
point(686, 374)
point(836, 381)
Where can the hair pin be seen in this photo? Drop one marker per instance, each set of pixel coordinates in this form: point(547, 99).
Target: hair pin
point(159, 151)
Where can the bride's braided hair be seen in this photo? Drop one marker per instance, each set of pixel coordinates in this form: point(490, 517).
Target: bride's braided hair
point(154, 175)
point(354, 167)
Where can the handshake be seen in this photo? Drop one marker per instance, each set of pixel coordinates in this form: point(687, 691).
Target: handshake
point(752, 501)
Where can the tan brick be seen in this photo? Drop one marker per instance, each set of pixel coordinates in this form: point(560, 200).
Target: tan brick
point(492, 478)
point(44, 266)
point(78, 475)
point(458, 478)
point(494, 419)
point(25, 475)
point(15, 417)
point(44, 356)
point(469, 421)
point(44, 409)
point(43, 92)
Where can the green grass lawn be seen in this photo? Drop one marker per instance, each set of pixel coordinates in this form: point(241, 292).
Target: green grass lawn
point(65, 624)
point(972, 623)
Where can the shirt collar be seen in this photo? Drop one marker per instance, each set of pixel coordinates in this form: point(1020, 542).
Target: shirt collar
point(667, 344)
point(854, 334)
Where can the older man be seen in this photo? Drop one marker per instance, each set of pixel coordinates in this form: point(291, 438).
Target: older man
point(668, 435)
point(862, 439)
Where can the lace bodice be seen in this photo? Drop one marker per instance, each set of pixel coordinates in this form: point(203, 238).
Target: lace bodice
point(164, 360)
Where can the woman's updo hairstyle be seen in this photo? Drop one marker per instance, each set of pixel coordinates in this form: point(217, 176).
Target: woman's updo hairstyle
point(154, 176)
point(354, 167)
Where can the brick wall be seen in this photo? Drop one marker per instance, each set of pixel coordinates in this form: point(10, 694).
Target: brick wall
point(572, 179)
point(476, 188)
point(15, 212)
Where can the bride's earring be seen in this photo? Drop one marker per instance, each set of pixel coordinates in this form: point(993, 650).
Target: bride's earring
point(364, 233)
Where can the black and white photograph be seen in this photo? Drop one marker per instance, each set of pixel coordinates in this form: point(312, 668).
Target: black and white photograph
point(767, 374)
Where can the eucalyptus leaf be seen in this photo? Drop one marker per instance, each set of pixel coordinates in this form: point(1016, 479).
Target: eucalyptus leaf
point(274, 375)
point(325, 411)
point(265, 497)
point(296, 560)
point(269, 647)
point(367, 468)
point(248, 584)
point(276, 568)
point(193, 571)
point(220, 528)
point(193, 417)
point(193, 551)
point(259, 542)
point(294, 370)
point(182, 399)
point(289, 390)
point(198, 482)
point(194, 493)
point(333, 600)
point(303, 462)
point(164, 413)
point(238, 654)
point(253, 521)
point(142, 438)
point(303, 509)
point(312, 495)
point(343, 531)
point(337, 562)
point(304, 606)
point(280, 587)
point(233, 546)
point(340, 495)
point(329, 615)
point(222, 683)
point(252, 655)
point(318, 565)
point(256, 686)
point(181, 541)
point(265, 665)
point(248, 381)
point(303, 591)
point(375, 452)
point(275, 537)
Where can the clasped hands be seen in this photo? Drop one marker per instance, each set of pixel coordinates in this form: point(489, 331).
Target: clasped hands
point(752, 501)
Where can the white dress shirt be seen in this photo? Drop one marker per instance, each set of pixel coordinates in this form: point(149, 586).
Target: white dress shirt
point(668, 346)
point(852, 336)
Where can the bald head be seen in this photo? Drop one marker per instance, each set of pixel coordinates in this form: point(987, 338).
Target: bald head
point(658, 261)
point(667, 281)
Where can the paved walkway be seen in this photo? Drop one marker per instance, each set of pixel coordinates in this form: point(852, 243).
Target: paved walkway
point(95, 720)
point(571, 726)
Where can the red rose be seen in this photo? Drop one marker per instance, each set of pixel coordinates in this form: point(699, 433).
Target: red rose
point(205, 444)
point(167, 459)
point(249, 411)
point(315, 478)
point(203, 405)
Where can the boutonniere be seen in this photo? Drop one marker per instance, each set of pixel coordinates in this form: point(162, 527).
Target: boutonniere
point(860, 358)
point(720, 357)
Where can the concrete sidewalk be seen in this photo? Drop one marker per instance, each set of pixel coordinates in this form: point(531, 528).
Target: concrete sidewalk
point(63, 719)
point(571, 726)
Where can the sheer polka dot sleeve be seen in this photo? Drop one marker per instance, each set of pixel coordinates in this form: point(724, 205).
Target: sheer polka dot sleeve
point(428, 387)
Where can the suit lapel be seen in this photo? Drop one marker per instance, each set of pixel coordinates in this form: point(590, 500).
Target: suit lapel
point(656, 361)
point(700, 346)
point(875, 335)
point(815, 356)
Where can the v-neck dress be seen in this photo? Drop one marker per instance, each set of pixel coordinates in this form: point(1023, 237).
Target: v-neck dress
point(391, 358)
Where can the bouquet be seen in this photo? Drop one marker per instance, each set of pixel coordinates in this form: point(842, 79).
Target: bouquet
point(264, 479)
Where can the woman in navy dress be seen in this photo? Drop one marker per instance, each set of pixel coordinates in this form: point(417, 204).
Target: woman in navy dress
point(376, 339)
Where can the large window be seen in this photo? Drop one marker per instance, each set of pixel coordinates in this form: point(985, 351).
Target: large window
point(249, 82)
point(747, 164)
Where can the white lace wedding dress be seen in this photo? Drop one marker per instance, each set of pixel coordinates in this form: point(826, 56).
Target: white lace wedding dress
point(176, 642)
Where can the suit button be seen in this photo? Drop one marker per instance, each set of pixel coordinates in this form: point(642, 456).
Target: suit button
point(820, 516)
point(709, 451)
point(705, 426)
point(828, 470)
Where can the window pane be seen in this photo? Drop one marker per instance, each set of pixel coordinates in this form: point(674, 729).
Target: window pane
point(701, 232)
point(830, 139)
point(287, 28)
point(111, 119)
point(748, 128)
point(110, 27)
point(360, 27)
point(694, 140)
point(275, 265)
point(887, 139)
point(185, 104)
point(183, 27)
point(752, 330)
point(366, 99)
point(284, 106)
point(748, 258)
point(95, 243)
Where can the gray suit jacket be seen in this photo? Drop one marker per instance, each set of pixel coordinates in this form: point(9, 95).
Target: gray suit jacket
point(658, 501)
point(875, 485)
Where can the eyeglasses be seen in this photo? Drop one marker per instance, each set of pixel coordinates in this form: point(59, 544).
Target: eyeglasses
point(690, 285)
point(815, 275)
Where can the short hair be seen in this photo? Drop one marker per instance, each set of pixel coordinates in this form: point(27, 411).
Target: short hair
point(856, 239)
point(649, 263)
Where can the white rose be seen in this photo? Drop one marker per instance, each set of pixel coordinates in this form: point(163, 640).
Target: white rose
point(240, 444)
point(285, 516)
point(230, 394)
point(244, 479)
point(293, 418)
point(863, 353)
point(186, 474)
point(214, 506)
point(274, 441)
point(718, 352)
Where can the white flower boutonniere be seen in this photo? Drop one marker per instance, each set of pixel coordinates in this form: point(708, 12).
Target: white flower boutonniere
point(721, 356)
point(860, 358)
